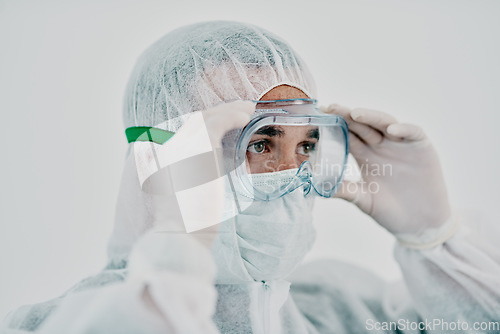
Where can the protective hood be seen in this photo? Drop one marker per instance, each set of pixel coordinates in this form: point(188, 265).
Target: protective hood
point(195, 68)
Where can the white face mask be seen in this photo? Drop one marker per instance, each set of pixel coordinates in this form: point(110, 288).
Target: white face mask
point(269, 182)
point(275, 236)
point(272, 237)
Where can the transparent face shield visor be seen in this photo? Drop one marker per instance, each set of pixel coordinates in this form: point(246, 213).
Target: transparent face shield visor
point(287, 145)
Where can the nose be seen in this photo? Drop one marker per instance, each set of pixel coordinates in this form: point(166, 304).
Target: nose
point(287, 160)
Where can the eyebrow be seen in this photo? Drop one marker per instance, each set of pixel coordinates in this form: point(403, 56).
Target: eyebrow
point(314, 133)
point(270, 131)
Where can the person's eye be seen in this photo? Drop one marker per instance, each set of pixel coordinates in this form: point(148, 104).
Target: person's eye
point(257, 147)
point(306, 148)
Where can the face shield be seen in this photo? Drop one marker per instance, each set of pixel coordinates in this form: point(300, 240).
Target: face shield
point(288, 145)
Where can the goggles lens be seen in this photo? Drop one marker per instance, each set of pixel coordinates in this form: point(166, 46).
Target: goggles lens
point(285, 147)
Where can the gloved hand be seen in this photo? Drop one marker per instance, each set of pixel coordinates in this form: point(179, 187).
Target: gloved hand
point(185, 175)
point(402, 185)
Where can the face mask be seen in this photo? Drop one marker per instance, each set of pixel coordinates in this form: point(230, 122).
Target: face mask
point(272, 182)
point(273, 236)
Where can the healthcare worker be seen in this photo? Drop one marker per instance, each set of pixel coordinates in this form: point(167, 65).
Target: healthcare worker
point(228, 151)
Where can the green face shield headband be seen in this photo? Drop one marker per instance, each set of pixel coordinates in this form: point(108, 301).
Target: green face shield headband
point(147, 133)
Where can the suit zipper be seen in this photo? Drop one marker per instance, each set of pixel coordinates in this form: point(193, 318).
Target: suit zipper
point(265, 306)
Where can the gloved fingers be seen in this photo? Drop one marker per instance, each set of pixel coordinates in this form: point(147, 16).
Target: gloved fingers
point(356, 193)
point(366, 133)
point(223, 118)
point(336, 109)
point(234, 114)
point(356, 145)
point(376, 119)
point(405, 131)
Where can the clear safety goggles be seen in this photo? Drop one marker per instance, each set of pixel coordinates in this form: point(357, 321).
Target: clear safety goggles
point(290, 144)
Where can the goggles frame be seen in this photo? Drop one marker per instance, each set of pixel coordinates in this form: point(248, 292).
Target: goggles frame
point(278, 115)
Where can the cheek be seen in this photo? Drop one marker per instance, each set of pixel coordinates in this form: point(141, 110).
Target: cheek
point(301, 159)
point(259, 163)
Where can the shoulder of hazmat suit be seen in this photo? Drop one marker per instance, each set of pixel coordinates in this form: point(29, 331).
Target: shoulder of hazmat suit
point(169, 283)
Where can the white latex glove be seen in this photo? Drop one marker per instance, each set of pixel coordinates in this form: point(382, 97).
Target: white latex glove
point(185, 176)
point(401, 168)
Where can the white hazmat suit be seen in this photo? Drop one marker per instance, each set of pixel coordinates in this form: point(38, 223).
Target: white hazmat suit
point(168, 283)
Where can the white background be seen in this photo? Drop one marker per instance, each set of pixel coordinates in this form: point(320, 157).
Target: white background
point(64, 65)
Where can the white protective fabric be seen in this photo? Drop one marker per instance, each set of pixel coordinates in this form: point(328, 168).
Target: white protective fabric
point(166, 283)
point(187, 172)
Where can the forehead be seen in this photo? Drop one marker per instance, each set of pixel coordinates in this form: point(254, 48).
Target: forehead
point(284, 92)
